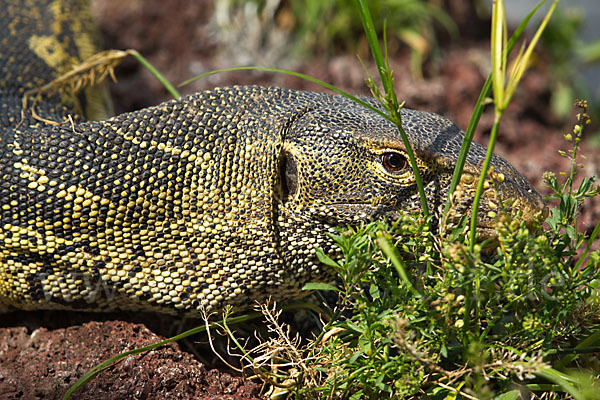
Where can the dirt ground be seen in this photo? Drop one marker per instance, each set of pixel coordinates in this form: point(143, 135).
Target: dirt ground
point(42, 353)
point(43, 362)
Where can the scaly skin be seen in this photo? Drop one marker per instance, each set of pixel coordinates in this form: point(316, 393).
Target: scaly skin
point(214, 199)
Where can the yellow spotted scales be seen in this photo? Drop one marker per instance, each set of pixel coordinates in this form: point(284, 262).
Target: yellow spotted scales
point(216, 198)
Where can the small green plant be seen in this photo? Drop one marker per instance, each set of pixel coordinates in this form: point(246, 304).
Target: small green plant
point(504, 86)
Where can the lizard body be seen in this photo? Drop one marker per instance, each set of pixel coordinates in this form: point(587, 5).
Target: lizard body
point(218, 198)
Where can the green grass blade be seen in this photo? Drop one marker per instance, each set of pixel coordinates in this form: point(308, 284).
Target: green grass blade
point(391, 106)
point(563, 380)
point(511, 395)
point(161, 78)
point(481, 182)
point(588, 245)
point(468, 139)
point(543, 387)
point(498, 61)
point(589, 342)
point(292, 73)
point(371, 33)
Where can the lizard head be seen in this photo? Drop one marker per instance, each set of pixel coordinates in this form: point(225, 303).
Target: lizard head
point(342, 163)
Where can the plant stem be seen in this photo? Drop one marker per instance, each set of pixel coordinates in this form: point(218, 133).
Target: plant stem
point(588, 245)
point(468, 139)
point(481, 182)
point(391, 104)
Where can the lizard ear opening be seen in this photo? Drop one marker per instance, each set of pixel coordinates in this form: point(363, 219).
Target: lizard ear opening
point(288, 175)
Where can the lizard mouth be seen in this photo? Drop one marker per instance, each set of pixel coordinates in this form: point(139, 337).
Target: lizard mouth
point(530, 209)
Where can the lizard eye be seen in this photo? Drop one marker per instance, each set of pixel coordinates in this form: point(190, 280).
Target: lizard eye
point(394, 162)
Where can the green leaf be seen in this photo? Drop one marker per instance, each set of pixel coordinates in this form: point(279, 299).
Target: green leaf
point(392, 253)
point(374, 292)
point(320, 286)
point(512, 395)
point(357, 396)
point(355, 356)
point(566, 382)
point(296, 74)
point(325, 259)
